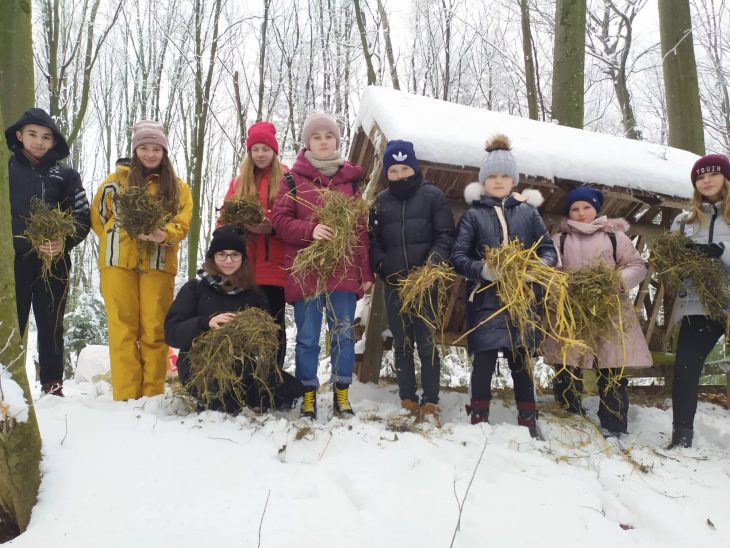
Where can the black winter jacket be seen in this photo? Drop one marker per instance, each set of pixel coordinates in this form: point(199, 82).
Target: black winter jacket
point(480, 227)
point(196, 302)
point(55, 184)
point(411, 224)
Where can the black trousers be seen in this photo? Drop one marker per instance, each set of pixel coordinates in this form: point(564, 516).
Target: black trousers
point(698, 335)
point(48, 299)
point(483, 368)
point(277, 305)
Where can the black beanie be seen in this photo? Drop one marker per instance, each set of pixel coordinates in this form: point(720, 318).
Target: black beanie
point(227, 237)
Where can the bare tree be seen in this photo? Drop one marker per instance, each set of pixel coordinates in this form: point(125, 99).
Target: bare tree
point(569, 63)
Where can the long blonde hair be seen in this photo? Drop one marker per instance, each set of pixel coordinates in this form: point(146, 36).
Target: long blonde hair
point(696, 205)
point(249, 177)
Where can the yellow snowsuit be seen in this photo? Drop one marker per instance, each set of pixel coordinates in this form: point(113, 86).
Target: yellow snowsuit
point(137, 283)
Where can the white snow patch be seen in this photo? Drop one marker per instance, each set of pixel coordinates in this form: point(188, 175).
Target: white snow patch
point(13, 404)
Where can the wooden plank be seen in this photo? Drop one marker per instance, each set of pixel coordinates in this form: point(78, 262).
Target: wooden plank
point(377, 322)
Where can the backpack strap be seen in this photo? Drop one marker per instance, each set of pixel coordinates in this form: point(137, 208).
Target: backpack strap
point(611, 236)
point(289, 178)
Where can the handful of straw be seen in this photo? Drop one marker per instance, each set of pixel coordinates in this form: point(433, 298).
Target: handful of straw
point(674, 262)
point(220, 358)
point(241, 212)
point(139, 212)
point(45, 224)
point(424, 293)
point(345, 215)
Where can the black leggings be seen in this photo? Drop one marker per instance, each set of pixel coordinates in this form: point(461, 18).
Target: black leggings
point(483, 368)
point(698, 335)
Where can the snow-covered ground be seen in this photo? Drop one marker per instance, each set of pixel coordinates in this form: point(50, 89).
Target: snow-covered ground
point(148, 474)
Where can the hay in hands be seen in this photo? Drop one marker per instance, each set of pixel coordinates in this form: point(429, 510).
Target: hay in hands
point(345, 215)
point(139, 212)
point(424, 293)
point(241, 212)
point(46, 224)
point(223, 359)
point(675, 262)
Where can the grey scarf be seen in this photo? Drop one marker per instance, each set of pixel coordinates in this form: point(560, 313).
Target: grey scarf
point(326, 166)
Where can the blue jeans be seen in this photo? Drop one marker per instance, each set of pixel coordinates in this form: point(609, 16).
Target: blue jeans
point(340, 306)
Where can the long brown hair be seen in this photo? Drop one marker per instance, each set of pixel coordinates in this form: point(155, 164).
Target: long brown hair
point(249, 177)
point(169, 189)
point(696, 205)
point(243, 277)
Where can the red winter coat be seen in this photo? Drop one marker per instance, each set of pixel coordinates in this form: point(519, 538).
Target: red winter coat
point(265, 251)
point(294, 223)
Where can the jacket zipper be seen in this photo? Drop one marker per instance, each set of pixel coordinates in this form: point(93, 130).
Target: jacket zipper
point(712, 224)
point(403, 234)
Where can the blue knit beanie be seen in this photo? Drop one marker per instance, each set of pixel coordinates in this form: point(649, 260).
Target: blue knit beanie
point(584, 194)
point(399, 152)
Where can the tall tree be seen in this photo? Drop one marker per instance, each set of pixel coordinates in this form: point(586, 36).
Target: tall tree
point(367, 54)
point(527, 52)
point(569, 62)
point(20, 442)
point(262, 61)
point(680, 76)
point(388, 46)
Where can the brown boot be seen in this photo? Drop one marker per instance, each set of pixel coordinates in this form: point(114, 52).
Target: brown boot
point(412, 407)
point(478, 410)
point(54, 388)
point(430, 413)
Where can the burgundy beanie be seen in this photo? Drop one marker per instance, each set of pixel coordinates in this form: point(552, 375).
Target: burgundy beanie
point(318, 121)
point(712, 163)
point(262, 133)
point(149, 132)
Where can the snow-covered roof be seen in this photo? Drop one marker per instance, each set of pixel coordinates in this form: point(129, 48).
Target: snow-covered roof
point(454, 134)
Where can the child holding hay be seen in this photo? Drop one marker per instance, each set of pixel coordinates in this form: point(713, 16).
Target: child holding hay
point(138, 269)
point(497, 216)
point(223, 288)
point(707, 225)
point(588, 241)
point(411, 226)
point(259, 179)
point(320, 169)
point(42, 272)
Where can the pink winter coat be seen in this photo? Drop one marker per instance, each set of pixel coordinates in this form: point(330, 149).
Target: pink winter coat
point(584, 244)
point(294, 222)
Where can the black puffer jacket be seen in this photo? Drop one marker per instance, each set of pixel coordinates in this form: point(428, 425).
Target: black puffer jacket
point(55, 184)
point(411, 224)
point(480, 227)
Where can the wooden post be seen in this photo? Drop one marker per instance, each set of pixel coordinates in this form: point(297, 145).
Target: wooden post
point(377, 322)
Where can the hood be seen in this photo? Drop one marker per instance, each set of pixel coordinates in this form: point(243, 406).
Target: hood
point(39, 117)
point(474, 192)
point(347, 173)
point(599, 224)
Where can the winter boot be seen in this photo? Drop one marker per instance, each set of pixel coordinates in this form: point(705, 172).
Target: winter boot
point(430, 413)
point(681, 437)
point(54, 388)
point(412, 407)
point(342, 407)
point(478, 410)
point(527, 416)
point(308, 410)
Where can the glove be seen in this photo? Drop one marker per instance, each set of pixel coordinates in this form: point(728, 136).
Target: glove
point(713, 250)
point(489, 274)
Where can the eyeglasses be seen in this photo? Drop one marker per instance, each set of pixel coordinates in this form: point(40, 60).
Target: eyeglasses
point(221, 256)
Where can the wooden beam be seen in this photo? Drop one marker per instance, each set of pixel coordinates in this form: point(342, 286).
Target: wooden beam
point(377, 323)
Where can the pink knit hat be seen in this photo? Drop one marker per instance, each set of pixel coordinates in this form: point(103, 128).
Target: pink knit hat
point(149, 132)
point(318, 121)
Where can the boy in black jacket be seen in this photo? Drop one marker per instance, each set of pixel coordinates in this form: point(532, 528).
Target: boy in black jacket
point(411, 224)
point(34, 171)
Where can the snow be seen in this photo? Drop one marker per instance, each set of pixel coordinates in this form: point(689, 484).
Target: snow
point(93, 364)
point(12, 403)
point(454, 134)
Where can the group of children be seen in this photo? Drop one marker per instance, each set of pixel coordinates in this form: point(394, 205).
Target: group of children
point(410, 225)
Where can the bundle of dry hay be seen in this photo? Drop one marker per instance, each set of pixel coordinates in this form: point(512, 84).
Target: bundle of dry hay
point(45, 224)
point(346, 216)
point(424, 293)
point(675, 260)
point(139, 212)
point(223, 359)
point(242, 211)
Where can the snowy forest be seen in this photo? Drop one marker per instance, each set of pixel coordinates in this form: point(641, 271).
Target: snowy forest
point(149, 474)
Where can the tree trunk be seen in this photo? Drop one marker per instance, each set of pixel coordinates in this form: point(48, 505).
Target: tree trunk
point(360, 18)
point(16, 59)
point(569, 62)
point(262, 61)
point(527, 49)
point(388, 46)
point(680, 76)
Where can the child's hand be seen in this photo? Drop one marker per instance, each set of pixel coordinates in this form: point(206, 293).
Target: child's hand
point(52, 248)
point(264, 227)
point(366, 286)
point(489, 274)
point(219, 319)
point(322, 232)
point(157, 236)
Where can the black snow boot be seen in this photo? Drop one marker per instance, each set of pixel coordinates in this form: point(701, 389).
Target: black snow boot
point(527, 416)
point(341, 395)
point(681, 437)
point(308, 410)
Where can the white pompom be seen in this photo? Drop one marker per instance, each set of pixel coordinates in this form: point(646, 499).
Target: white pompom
point(533, 197)
point(473, 192)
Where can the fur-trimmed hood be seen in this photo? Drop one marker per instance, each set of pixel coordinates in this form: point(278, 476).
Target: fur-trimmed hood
point(474, 192)
point(602, 223)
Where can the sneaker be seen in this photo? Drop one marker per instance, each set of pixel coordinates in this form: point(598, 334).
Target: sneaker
point(412, 407)
point(55, 388)
point(430, 413)
point(342, 407)
point(308, 410)
point(478, 410)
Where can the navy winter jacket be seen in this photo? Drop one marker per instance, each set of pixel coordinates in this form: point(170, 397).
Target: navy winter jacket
point(480, 227)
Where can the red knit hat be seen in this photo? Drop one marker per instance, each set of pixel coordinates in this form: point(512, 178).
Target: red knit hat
point(712, 163)
point(263, 133)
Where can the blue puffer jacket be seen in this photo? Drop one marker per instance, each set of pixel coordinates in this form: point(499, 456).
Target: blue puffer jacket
point(480, 227)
